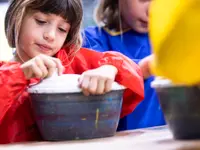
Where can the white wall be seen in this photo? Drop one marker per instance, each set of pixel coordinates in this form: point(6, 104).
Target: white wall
point(5, 50)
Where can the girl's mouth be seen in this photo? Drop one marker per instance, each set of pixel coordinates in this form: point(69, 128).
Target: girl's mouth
point(144, 24)
point(44, 47)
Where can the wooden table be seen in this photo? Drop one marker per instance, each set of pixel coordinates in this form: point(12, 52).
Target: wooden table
point(158, 138)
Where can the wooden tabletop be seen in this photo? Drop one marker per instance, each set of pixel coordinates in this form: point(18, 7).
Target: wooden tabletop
point(158, 138)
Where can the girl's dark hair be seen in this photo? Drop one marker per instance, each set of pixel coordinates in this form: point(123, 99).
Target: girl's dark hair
point(108, 14)
point(71, 10)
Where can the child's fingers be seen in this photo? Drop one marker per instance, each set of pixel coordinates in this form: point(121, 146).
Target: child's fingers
point(144, 65)
point(49, 63)
point(51, 72)
point(59, 66)
point(36, 71)
point(108, 86)
point(27, 70)
point(92, 88)
point(84, 84)
point(100, 86)
point(41, 66)
point(85, 92)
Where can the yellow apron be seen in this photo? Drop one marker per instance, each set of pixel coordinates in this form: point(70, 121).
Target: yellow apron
point(175, 36)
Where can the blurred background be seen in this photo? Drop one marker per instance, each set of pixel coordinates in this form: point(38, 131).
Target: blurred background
point(6, 51)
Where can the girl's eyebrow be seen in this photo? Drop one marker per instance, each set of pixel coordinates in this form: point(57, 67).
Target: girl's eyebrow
point(63, 20)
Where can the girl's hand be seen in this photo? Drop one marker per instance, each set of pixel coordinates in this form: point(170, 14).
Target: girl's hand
point(41, 66)
point(144, 65)
point(98, 81)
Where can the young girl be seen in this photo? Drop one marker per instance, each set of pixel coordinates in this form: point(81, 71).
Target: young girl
point(46, 35)
point(123, 27)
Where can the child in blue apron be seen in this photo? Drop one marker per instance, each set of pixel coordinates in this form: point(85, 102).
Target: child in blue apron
point(123, 27)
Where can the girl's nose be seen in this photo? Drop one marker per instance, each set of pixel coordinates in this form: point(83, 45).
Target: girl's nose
point(147, 13)
point(50, 34)
point(147, 9)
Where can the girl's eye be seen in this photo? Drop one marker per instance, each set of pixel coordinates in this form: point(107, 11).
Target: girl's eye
point(62, 30)
point(40, 21)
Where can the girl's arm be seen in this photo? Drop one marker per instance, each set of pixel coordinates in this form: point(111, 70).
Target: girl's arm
point(12, 85)
point(128, 74)
point(17, 123)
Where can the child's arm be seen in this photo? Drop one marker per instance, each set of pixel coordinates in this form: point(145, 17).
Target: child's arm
point(16, 117)
point(12, 84)
point(128, 73)
point(144, 65)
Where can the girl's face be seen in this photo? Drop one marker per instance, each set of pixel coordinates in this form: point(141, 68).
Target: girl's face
point(135, 14)
point(41, 34)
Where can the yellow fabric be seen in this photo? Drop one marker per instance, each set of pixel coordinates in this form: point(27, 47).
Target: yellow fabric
point(175, 36)
point(116, 33)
